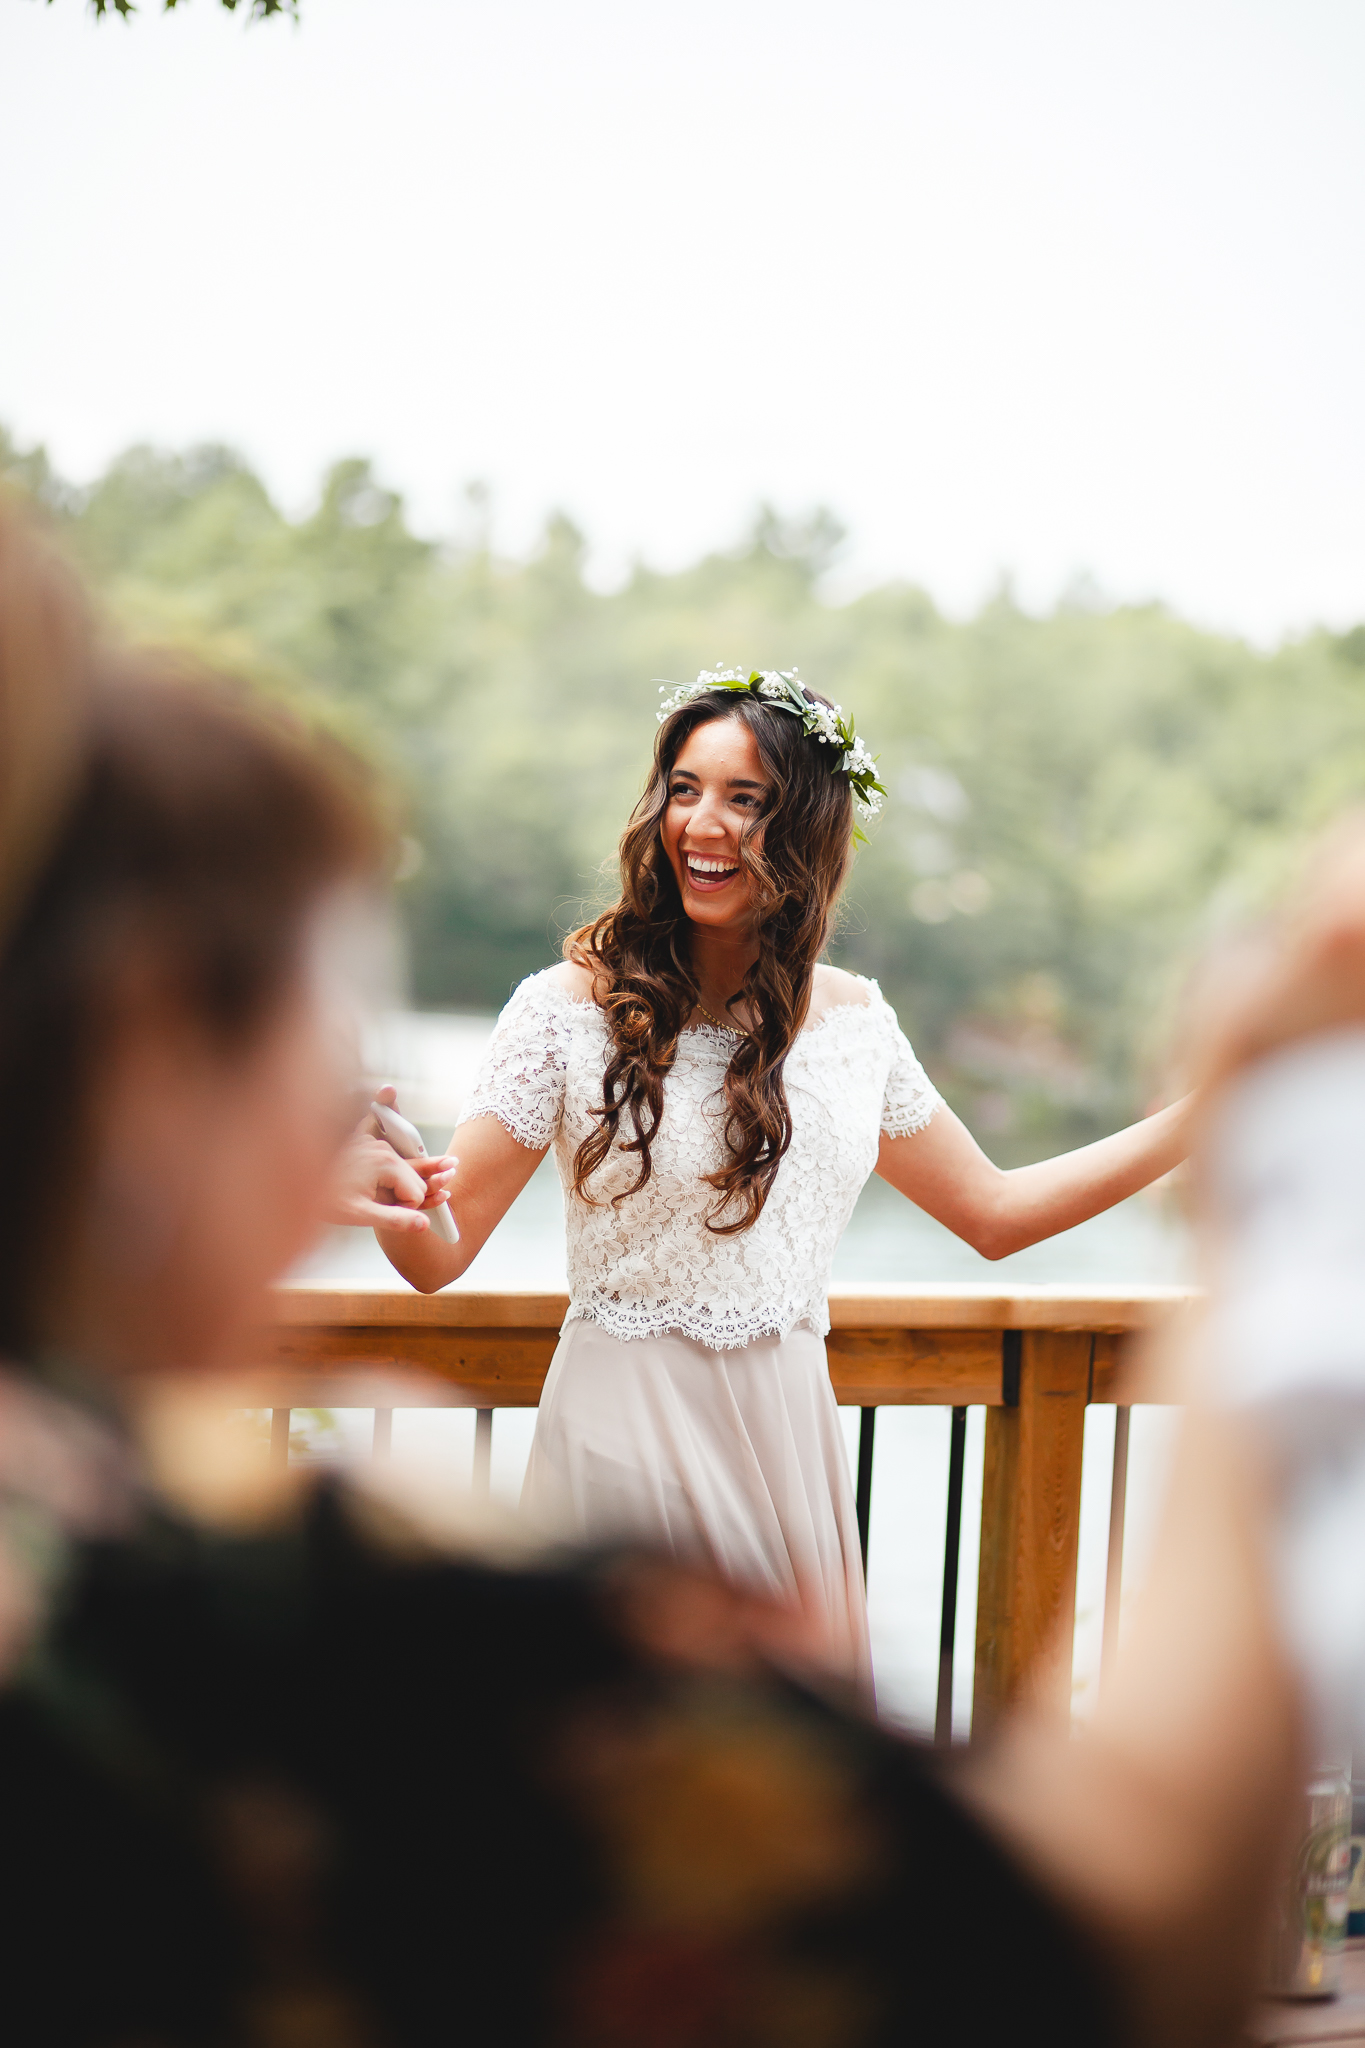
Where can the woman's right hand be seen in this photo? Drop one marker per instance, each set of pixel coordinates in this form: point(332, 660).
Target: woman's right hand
point(490, 1173)
point(374, 1188)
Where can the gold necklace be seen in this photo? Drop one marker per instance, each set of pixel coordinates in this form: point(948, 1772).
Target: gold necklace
point(738, 1029)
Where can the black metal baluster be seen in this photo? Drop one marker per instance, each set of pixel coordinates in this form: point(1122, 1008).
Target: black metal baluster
point(1113, 1576)
point(867, 1430)
point(952, 1546)
point(1012, 1365)
point(483, 1449)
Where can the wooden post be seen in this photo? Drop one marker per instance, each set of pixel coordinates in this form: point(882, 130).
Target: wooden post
point(1030, 1529)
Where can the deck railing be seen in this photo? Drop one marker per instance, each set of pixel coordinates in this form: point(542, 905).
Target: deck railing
point(1033, 1357)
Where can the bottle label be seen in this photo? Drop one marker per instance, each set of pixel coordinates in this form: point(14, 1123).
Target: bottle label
point(1323, 1882)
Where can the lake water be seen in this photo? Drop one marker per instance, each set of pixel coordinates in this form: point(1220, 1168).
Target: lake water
point(433, 1059)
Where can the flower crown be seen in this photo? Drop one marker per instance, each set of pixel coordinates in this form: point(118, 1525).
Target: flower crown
point(823, 722)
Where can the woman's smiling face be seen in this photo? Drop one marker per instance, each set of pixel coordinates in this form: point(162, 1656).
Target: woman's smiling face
point(717, 787)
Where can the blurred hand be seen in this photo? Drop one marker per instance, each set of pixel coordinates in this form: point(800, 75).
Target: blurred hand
point(373, 1187)
point(1303, 973)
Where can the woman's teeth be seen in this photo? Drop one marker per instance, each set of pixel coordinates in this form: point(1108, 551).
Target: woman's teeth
point(711, 870)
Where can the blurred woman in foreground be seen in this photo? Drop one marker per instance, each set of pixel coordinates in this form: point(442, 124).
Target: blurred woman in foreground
point(298, 1774)
point(302, 1774)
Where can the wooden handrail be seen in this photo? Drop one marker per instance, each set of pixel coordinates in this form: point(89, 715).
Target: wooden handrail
point(910, 1305)
point(888, 1346)
point(1034, 1357)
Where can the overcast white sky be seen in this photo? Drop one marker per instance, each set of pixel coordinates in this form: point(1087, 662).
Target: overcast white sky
point(1029, 285)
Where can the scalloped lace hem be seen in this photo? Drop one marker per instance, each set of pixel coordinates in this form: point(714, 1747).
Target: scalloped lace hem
point(906, 1126)
point(507, 1118)
point(718, 1333)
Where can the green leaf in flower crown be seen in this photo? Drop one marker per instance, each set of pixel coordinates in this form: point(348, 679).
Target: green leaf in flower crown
point(829, 728)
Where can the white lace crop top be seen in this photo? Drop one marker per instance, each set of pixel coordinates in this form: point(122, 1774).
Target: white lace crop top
point(651, 1264)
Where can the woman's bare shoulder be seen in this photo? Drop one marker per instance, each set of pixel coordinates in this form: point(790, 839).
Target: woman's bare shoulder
point(576, 977)
point(832, 989)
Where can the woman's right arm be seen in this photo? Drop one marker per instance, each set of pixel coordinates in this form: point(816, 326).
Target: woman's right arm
point(491, 1169)
point(519, 1087)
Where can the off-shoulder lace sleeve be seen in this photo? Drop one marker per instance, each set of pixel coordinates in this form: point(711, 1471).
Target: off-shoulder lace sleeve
point(521, 1078)
point(911, 1098)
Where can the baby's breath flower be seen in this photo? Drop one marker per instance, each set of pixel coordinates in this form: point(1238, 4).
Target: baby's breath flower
point(683, 693)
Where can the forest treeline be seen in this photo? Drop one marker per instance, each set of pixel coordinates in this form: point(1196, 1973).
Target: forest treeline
point(1078, 801)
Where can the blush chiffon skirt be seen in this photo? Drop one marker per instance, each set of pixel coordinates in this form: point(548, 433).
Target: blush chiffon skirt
point(733, 1461)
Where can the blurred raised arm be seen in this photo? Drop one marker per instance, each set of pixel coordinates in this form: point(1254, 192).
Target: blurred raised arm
point(1166, 1825)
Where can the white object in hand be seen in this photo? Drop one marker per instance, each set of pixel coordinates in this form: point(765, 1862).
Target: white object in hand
point(406, 1141)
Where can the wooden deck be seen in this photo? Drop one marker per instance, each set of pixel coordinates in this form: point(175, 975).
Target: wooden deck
point(1033, 1357)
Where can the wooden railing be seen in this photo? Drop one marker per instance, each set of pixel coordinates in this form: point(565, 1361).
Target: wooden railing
point(1033, 1357)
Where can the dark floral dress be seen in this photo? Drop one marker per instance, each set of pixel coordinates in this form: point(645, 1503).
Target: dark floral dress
point(322, 1788)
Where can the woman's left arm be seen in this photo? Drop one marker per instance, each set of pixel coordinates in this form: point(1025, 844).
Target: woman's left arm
point(944, 1171)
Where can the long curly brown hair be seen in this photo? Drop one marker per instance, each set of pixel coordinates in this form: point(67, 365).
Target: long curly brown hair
point(796, 853)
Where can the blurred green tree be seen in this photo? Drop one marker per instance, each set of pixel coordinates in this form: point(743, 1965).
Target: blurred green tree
point(1079, 801)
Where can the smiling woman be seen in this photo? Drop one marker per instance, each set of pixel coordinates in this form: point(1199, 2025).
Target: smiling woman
point(717, 1096)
